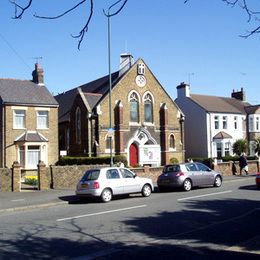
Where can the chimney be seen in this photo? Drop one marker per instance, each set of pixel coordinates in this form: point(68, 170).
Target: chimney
point(183, 90)
point(126, 62)
point(37, 75)
point(240, 95)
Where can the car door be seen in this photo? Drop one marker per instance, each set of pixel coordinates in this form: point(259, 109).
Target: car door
point(193, 173)
point(131, 182)
point(114, 181)
point(207, 177)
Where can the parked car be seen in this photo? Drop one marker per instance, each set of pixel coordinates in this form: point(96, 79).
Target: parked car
point(188, 175)
point(110, 181)
point(257, 180)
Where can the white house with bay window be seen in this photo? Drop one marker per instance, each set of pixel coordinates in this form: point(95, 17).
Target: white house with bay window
point(253, 126)
point(212, 124)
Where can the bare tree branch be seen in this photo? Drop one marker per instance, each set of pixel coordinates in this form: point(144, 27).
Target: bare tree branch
point(64, 13)
point(253, 15)
point(82, 32)
point(18, 7)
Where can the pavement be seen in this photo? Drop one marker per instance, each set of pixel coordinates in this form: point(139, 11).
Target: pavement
point(31, 199)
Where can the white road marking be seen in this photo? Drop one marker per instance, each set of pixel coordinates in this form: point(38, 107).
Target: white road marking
point(18, 200)
point(101, 213)
point(205, 195)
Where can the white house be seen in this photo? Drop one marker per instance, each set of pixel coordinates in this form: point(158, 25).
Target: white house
point(212, 124)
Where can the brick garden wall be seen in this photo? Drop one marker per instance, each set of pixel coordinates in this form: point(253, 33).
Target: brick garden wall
point(66, 177)
point(5, 179)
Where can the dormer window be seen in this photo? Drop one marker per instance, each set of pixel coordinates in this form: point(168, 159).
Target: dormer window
point(141, 69)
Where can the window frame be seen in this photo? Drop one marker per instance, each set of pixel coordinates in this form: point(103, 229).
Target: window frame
point(134, 99)
point(148, 100)
point(216, 122)
point(19, 116)
point(46, 123)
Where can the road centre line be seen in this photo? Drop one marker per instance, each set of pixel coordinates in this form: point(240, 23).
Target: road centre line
point(101, 213)
point(205, 195)
point(18, 200)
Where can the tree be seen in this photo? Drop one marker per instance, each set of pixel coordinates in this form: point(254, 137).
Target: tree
point(240, 146)
point(252, 15)
point(21, 9)
point(257, 146)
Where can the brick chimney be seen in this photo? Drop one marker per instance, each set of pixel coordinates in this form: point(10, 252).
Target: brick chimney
point(37, 75)
point(240, 95)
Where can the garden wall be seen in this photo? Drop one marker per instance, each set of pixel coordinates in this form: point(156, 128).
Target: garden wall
point(67, 177)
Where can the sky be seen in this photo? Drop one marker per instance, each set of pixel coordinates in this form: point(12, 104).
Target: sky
point(197, 43)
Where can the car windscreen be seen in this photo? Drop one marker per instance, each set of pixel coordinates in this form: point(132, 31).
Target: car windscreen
point(172, 168)
point(91, 175)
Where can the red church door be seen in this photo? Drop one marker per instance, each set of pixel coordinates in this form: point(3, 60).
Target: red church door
point(133, 154)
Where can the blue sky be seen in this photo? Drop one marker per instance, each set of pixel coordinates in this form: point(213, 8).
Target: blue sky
point(197, 42)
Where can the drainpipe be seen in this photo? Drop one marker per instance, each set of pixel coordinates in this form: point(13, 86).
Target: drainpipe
point(3, 136)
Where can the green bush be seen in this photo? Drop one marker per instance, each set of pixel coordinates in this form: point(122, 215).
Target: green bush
point(230, 158)
point(69, 160)
point(31, 181)
point(206, 161)
point(174, 160)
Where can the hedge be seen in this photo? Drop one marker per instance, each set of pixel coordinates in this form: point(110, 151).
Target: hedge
point(68, 160)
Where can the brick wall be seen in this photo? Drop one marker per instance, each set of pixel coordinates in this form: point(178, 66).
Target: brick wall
point(67, 177)
point(5, 179)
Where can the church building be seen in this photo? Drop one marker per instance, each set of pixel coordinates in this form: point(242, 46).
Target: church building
point(132, 116)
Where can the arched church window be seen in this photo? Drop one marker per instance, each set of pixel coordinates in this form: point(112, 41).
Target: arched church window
point(148, 108)
point(134, 108)
point(172, 142)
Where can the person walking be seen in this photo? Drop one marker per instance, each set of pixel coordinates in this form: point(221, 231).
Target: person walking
point(243, 164)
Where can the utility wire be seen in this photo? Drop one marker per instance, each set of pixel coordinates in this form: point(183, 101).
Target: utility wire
point(15, 52)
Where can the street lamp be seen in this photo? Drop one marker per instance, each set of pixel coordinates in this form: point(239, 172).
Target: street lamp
point(108, 15)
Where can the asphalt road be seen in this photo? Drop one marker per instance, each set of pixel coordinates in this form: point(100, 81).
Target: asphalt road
point(205, 223)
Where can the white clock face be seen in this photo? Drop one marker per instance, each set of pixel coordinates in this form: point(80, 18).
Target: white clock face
point(140, 80)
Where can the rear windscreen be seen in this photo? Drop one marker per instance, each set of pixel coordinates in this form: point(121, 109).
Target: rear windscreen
point(171, 168)
point(91, 175)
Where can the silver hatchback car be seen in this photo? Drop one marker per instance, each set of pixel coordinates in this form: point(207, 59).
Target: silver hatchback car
point(188, 175)
point(110, 181)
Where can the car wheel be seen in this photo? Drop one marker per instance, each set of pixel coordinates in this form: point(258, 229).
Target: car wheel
point(187, 185)
point(218, 181)
point(106, 195)
point(146, 190)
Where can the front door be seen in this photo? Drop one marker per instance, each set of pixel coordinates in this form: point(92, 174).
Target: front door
point(133, 155)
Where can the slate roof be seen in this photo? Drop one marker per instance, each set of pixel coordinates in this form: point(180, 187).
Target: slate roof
point(25, 92)
point(220, 104)
point(253, 109)
point(222, 135)
point(93, 91)
point(31, 137)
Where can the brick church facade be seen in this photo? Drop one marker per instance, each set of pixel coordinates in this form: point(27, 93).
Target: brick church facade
point(145, 124)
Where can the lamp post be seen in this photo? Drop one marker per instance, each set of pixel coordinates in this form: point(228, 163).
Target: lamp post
point(108, 15)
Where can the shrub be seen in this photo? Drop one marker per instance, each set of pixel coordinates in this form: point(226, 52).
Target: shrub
point(69, 160)
point(31, 180)
point(174, 160)
point(204, 160)
point(230, 158)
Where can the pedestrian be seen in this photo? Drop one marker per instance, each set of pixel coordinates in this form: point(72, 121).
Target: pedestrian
point(243, 164)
